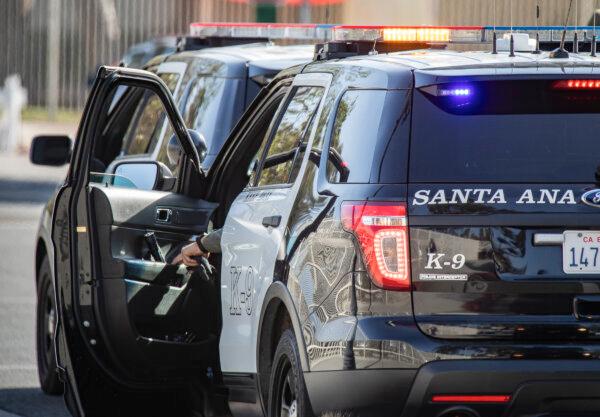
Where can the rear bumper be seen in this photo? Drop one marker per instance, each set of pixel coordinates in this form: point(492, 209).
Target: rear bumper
point(536, 388)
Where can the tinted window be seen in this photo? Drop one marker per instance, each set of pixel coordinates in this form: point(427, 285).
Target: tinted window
point(369, 138)
point(259, 130)
point(284, 147)
point(206, 112)
point(148, 121)
point(488, 148)
point(203, 105)
point(106, 165)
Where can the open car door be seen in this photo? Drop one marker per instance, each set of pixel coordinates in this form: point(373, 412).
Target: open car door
point(134, 331)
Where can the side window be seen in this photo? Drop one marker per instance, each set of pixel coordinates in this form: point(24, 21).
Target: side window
point(285, 151)
point(148, 123)
point(354, 137)
point(200, 112)
point(260, 129)
point(106, 165)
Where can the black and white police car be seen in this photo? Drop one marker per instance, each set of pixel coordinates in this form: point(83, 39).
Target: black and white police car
point(408, 233)
point(216, 72)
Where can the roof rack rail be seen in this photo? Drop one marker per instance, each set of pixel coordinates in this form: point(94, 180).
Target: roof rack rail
point(195, 43)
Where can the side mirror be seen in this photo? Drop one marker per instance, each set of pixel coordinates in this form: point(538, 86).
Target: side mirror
point(50, 150)
point(175, 151)
point(143, 175)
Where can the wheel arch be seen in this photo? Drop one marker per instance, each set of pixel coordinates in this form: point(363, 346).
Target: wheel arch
point(41, 251)
point(278, 313)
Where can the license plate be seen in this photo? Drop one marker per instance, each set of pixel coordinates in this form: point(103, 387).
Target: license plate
point(581, 252)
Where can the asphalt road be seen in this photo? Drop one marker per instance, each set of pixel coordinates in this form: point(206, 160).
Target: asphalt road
point(23, 191)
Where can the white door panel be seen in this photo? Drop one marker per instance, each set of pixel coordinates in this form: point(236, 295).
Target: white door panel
point(249, 253)
point(250, 249)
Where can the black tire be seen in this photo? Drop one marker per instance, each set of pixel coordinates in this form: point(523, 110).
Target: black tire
point(45, 322)
point(287, 391)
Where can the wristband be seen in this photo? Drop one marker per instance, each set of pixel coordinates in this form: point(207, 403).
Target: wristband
point(199, 243)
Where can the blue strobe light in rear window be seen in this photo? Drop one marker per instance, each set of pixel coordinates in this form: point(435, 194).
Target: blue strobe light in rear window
point(454, 92)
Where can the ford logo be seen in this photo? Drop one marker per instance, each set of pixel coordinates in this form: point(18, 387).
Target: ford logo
point(592, 198)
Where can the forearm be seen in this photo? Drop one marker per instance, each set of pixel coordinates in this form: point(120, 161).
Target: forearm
point(212, 242)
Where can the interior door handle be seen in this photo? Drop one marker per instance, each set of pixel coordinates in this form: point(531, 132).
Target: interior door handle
point(164, 215)
point(271, 221)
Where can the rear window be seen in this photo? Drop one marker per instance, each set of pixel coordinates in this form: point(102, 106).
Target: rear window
point(506, 132)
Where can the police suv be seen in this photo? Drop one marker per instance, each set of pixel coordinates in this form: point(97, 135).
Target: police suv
point(410, 233)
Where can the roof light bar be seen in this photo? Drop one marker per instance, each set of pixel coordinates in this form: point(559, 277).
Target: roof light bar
point(456, 34)
point(262, 30)
point(428, 34)
point(547, 33)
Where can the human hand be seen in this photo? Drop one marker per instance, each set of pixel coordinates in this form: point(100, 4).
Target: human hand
point(187, 255)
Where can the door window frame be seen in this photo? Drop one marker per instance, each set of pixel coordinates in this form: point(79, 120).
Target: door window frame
point(178, 68)
point(169, 68)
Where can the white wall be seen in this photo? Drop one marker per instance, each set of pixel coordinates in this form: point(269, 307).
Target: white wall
point(462, 12)
point(391, 12)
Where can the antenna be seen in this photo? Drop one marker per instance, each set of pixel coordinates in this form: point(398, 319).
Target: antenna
point(537, 25)
point(512, 46)
point(560, 52)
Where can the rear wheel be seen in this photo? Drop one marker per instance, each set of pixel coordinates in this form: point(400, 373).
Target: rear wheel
point(287, 393)
point(45, 327)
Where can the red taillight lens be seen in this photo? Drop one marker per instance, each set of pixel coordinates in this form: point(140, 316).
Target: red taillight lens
point(463, 399)
point(577, 85)
point(382, 230)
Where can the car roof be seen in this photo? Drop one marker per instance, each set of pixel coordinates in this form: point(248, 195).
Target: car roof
point(422, 67)
point(258, 58)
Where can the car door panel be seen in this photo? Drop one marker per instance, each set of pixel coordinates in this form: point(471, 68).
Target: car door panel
point(136, 208)
point(254, 234)
point(125, 318)
point(148, 308)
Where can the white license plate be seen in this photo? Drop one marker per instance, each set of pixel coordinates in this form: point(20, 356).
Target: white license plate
point(581, 252)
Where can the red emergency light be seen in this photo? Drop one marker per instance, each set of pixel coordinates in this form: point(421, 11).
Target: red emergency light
point(412, 34)
point(577, 85)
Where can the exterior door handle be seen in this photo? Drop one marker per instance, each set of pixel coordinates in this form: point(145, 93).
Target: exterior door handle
point(271, 221)
point(587, 307)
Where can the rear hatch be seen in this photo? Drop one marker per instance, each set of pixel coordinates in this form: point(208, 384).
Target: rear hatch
point(504, 208)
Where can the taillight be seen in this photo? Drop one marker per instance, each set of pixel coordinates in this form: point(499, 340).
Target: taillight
point(382, 230)
point(470, 398)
